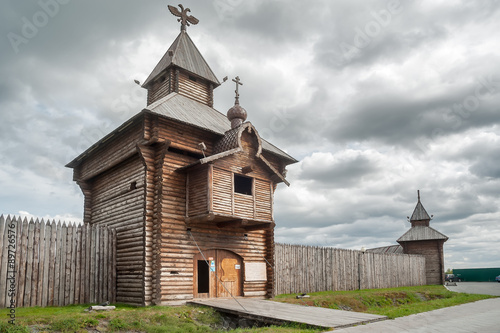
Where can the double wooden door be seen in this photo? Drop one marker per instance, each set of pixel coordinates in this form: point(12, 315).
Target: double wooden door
point(217, 273)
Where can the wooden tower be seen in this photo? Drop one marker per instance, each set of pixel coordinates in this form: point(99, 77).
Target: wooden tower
point(189, 191)
point(423, 240)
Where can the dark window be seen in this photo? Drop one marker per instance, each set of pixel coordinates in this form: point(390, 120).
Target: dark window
point(192, 78)
point(243, 184)
point(203, 277)
point(133, 185)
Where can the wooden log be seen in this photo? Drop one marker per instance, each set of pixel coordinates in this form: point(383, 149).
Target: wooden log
point(102, 308)
point(29, 264)
point(93, 237)
point(22, 263)
point(45, 262)
point(4, 241)
point(73, 261)
point(86, 245)
point(78, 266)
point(35, 264)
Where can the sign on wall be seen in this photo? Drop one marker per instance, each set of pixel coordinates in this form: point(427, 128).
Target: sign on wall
point(255, 271)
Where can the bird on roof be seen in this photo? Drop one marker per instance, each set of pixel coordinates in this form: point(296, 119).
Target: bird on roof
point(183, 16)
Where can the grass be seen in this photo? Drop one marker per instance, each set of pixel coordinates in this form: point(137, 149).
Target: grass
point(154, 319)
point(393, 302)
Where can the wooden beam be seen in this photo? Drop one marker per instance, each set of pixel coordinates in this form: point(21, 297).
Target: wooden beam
point(261, 226)
point(233, 223)
point(200, 218)
point(247, 169)
point(210, 188)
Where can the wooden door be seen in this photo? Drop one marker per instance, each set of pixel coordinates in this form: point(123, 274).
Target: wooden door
point(218, 273)
point(229, 268)
point(203, 275)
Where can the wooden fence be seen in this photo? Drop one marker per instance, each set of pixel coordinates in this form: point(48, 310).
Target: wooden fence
point(305, 269)
point(48, 263)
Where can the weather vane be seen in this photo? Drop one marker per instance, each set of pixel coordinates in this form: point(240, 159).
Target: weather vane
point(238, 83)
point(183, 16)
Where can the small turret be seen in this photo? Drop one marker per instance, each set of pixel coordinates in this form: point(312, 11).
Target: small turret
point(419, 216)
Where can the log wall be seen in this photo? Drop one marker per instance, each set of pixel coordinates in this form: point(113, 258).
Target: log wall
point(160, 88)
point(306, 269)
point(178, 247)
point(180, 81)
point(198, 90)
point(118, 201)
point(434, 259)
point(55, 264)
point(108, 156)
point(197, 186)
point(185, 137)
point(223, 191)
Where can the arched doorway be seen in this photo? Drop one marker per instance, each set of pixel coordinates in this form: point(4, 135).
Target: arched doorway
point(219, 276)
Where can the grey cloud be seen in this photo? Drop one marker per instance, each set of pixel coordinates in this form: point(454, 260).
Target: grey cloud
point(341, 173)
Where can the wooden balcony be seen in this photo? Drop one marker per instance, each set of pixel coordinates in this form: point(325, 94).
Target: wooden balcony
point(228, 199)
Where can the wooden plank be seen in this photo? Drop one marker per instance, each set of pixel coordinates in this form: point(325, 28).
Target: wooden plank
point(22, 263)
point(105, 266)
point(4, 241)
point(10, 247)
point(19, 225)
point(92, 286)
point(51, 246)
point(210, 188)
point(36, 262)
point(78, 266)
point(86, 251)
point(44, 287)
point(29, 264)
point(187, 196)
point(111, 266)
point(62, 263)
point(276, 312)
point(74, 252)
point(101, 266)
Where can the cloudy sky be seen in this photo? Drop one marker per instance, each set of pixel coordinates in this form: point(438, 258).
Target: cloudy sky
point(376, 99)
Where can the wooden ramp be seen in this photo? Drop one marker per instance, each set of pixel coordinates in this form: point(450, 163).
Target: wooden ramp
point(276, 313)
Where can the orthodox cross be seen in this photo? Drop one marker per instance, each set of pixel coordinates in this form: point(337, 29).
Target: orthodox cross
point(183, 16)
point(238, 83)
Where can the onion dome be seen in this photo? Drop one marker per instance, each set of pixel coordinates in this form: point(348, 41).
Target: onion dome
point(237, 115)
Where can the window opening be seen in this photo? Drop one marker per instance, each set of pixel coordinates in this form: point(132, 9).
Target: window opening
point(203, 277)
point(192, 78)
point(243, 184)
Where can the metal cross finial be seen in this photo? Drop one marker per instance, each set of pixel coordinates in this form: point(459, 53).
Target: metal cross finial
point(183, 16)
point(238, 83)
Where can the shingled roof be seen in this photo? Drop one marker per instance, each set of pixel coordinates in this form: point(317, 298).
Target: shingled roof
point(189, 111)
point(184, 54)
point(419, 213)
point(419, 233)
point(396, 249)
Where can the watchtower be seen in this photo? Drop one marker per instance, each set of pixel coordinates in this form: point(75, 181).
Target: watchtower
point(424, 240)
